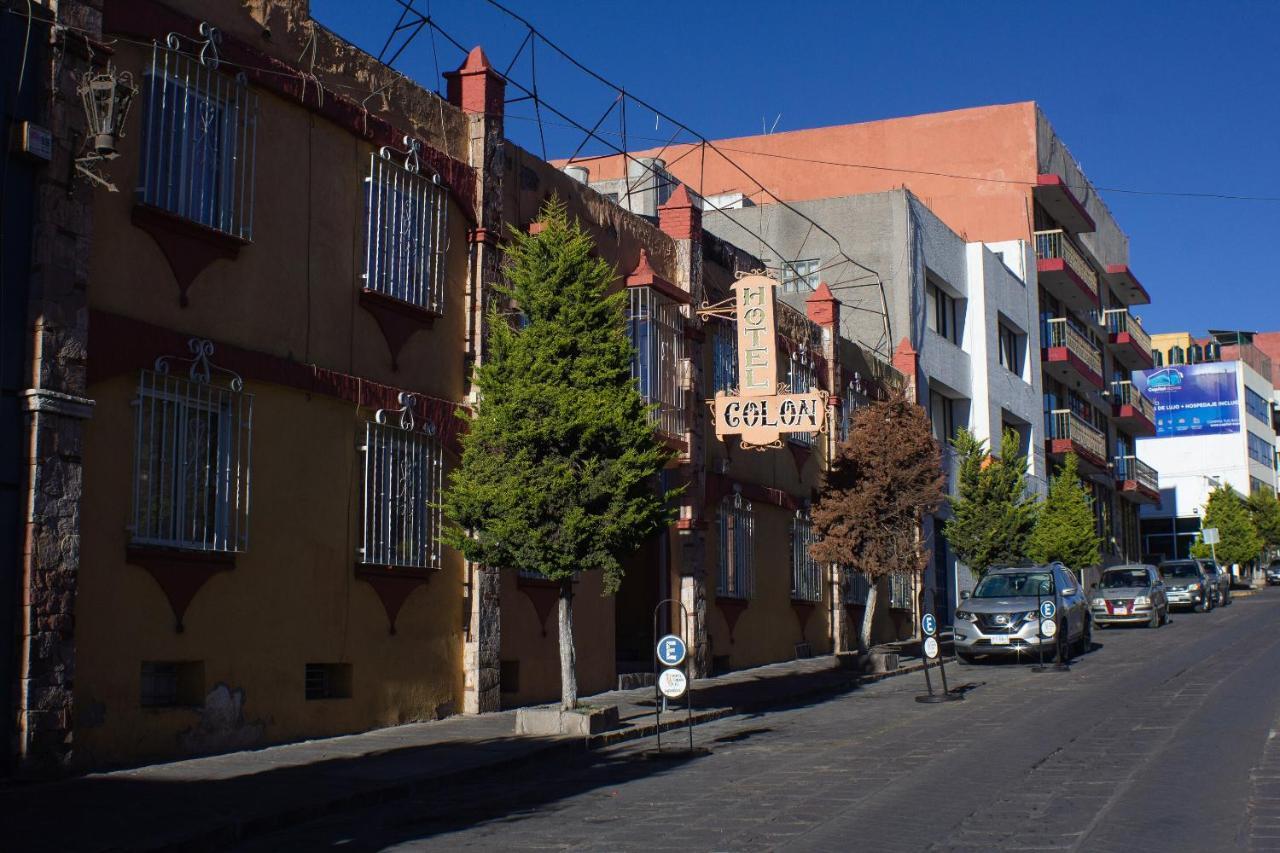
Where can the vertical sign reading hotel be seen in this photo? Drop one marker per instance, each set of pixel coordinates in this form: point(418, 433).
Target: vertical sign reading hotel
point(757, 351)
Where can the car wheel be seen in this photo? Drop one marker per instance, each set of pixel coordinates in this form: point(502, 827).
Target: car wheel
point(1202, 606)
point(965, 657)
point(1086, 638)
point(1155, 621)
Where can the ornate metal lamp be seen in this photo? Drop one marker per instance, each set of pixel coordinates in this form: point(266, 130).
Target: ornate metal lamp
point(106, 97)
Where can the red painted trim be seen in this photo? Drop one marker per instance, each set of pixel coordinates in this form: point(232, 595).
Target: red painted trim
point(1126, 339)
point(644, 276)
point(800, 454)
point(393, 586)
point(1062, 355)
point(180, 574)
point(1061, 446)
point(720, 485)
point(543, 594)
point(188, 246)
point(1051, 266)
point(732, 609)
point(1134, 419)
point(1133, 487)
point(124, 345)
point(1054, 182)
point(396, 319)
point(1128, 279)
point(152, 20)
point(804, 612)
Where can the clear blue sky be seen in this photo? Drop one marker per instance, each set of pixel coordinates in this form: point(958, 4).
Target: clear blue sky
point(1172, 96)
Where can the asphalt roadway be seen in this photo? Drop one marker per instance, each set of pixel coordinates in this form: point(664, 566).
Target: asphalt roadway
point(1156, 740)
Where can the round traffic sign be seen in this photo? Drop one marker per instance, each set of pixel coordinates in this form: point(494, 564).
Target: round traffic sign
point(930, 647)
point(1048, 628)
point(1047, 609)
point(671, 650)
point(929, 625)
point(672, 683)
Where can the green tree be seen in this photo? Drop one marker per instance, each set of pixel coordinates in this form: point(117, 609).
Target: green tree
point(1065, 529)
point(992, 515)
point(1264, 508)
point(1238, 541)
point(886, 476)
point(560, 458)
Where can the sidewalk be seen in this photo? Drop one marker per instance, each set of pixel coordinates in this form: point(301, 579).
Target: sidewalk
point(209, 803)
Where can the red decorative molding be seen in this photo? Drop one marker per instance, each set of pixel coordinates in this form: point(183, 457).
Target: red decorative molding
point(720, 485)
point(393, 585)
point(645, 276)
point(180, 574)
point(397, 319)
point(732, 608)
point(804, 611)
point(188, 246)
point(800, 454)
point(679, 218)
point(123, 345)
point(543, 594)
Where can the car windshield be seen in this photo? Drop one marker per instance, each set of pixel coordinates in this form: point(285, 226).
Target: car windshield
point(1124, 577)
point(1007, 584)
point(1180, 570)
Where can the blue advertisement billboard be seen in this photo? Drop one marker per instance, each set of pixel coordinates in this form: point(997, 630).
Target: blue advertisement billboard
point(1192, 399)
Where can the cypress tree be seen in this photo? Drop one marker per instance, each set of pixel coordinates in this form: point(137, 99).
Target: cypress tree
point(1264, 509)
point(1065, 529)
point(992, 516)
point(1238, 540)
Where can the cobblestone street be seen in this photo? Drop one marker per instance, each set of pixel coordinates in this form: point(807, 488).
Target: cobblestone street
point(1157, 740)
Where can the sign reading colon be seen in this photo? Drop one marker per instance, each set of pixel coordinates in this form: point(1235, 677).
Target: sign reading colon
point(1192, 399)
point(758, 413)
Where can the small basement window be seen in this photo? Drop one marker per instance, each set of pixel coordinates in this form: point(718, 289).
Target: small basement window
point(328, 681)
point(172, 684)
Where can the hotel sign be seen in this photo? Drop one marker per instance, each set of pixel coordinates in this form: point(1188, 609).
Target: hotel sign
point(761, 410)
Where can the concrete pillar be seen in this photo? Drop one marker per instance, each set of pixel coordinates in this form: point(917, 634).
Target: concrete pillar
point(823, 309)
point(480, 91)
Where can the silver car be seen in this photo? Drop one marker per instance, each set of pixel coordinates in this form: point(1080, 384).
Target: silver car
point(1219, 582)
point(1001, 616)
point(1130, 595)
point(1186, 586)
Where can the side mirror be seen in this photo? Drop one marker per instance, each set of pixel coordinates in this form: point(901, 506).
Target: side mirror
point(964, 593)
point(1071, 590)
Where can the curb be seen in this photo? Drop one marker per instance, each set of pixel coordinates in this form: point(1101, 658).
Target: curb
point(235, 830)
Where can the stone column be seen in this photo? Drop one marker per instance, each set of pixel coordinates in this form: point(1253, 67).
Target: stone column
point(479, 91)
point(55, 402)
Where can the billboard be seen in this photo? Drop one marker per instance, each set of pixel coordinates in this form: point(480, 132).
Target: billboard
point(1192, 399)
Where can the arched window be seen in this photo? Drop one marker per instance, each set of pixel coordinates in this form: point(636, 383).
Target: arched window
point(1195, 354)
point(1157, 358)
point(1177, 355)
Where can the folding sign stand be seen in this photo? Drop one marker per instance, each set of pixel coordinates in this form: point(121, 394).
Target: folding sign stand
point(1048, 629)
point(671, 681)
point(929, 651)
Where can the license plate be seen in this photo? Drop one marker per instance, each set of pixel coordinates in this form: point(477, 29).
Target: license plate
point(1121, 610)
point(999, 641)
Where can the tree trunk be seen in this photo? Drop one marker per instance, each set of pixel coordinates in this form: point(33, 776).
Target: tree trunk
point(868, 616)
point(568, 655)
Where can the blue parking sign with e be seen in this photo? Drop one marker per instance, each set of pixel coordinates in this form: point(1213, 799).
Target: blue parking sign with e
point(671, 650)
point(929, 624)
point(1047, 609)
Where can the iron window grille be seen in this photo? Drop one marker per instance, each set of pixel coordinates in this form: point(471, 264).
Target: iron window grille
point(737, 571)
point(405, 239)
point(192, 449)
point(724, 356)
point(855, 397)
point(802, 377)
point(856, 587)
point(656, 327)
point(800, 276)
point(199, 138)
point(806, 572)
point(900, 592)
point(402, 475)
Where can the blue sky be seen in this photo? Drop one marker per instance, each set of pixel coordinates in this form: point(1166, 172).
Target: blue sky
point(1168, 97)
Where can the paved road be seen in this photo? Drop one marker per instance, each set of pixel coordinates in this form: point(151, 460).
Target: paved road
point(1163, 740)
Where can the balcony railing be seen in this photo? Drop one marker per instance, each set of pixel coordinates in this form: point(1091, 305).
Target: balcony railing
point(1119, 320)
point(1056, 244)
point(1059, 333)
point(1133, 468)
point(1126, 395)
point(1066, 424)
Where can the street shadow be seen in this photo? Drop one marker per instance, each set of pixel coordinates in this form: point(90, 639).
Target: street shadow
point(738, 737)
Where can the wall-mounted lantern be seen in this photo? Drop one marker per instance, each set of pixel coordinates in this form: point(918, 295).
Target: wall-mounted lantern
point(106, 97)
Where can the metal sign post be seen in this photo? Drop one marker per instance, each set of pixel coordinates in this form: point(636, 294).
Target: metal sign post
point(1048, 630)
point(929, 650)
point(1210, 536)
point(670, 678)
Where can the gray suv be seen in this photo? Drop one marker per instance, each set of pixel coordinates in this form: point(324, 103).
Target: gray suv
point(1219, 582)
point(1000, 616)
point(1186, 586)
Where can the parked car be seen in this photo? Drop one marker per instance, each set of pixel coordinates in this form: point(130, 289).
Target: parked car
point(1273, 573)
point(1186, 586)
point(1130, 595)
point(1001, 617)
point(1219, 582)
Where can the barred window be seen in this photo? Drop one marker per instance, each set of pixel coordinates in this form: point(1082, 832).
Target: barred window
point(854, 398)
point(724, 355)
point(900, 592)
point(737, 572)
point(192, 446)
point(856, 588)
point(402, 471)
point(806, 572)
point(802, 377)
point(199, 136)
point(656, 327)
point(405, 238)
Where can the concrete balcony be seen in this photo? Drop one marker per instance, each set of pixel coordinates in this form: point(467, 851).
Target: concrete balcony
point(1056, 197)
point(1136, 480)
point(1128, 341)
point(1126, 285)
point(1132, 410)
point(1064, 272)
point(1069, 356)
point(1070, 433)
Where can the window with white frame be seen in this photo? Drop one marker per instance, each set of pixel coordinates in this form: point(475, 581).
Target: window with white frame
point(724, 357)
point(656, 327)
point(405, 220)
point(199, 136)
point(800, 276)
point(802, 377)
point(737, 573)
point(806, 572)
point(900, 592)
point(402, 472)
point(192, 447)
